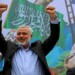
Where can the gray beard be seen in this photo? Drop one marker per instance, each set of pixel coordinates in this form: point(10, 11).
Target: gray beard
point(24, 43)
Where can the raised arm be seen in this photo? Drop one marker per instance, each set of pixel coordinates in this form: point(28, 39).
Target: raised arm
point(3, 45)
point(50, 42)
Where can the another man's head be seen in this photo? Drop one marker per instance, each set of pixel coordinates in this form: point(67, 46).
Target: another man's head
point(24, 35)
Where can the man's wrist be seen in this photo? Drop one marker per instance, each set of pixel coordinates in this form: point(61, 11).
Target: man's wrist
point(53, 17)
point(56, 21)
point(0, 19)
point(0, 14)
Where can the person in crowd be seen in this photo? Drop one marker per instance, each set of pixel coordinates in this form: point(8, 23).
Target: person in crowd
point(70, 62)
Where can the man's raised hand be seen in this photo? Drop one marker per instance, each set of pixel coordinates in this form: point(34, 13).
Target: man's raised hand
point(51, 11)
point(3, 7)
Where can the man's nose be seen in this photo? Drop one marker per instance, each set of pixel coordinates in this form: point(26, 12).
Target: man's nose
point(21, 35)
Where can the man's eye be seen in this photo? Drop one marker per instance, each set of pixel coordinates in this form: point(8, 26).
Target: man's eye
point(24, 33)
point(18, 33)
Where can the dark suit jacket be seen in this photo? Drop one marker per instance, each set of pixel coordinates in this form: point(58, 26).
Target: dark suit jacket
point(7, 48)
point(70, 71)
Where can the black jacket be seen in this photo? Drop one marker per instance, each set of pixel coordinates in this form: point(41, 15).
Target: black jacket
point(7, 48)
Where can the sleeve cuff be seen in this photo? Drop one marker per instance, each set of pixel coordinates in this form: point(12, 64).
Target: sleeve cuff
point(0, 19)
point(56, 21)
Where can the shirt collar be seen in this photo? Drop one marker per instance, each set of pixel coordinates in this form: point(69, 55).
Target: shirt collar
point(27, 49)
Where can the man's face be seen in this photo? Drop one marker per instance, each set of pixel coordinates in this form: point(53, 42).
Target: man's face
point(23, 36)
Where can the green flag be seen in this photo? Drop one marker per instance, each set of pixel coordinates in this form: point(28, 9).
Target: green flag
point(23, 12)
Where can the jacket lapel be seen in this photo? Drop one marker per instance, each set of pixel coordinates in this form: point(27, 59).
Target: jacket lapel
point(11, 49)
point(37, 48)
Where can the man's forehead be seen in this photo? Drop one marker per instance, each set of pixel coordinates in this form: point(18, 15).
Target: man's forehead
point(23, 28)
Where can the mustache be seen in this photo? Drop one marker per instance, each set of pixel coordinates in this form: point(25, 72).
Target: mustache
point(21, 38)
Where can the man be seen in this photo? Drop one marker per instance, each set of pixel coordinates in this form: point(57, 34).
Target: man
point(24, 58)
point(70, 62)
